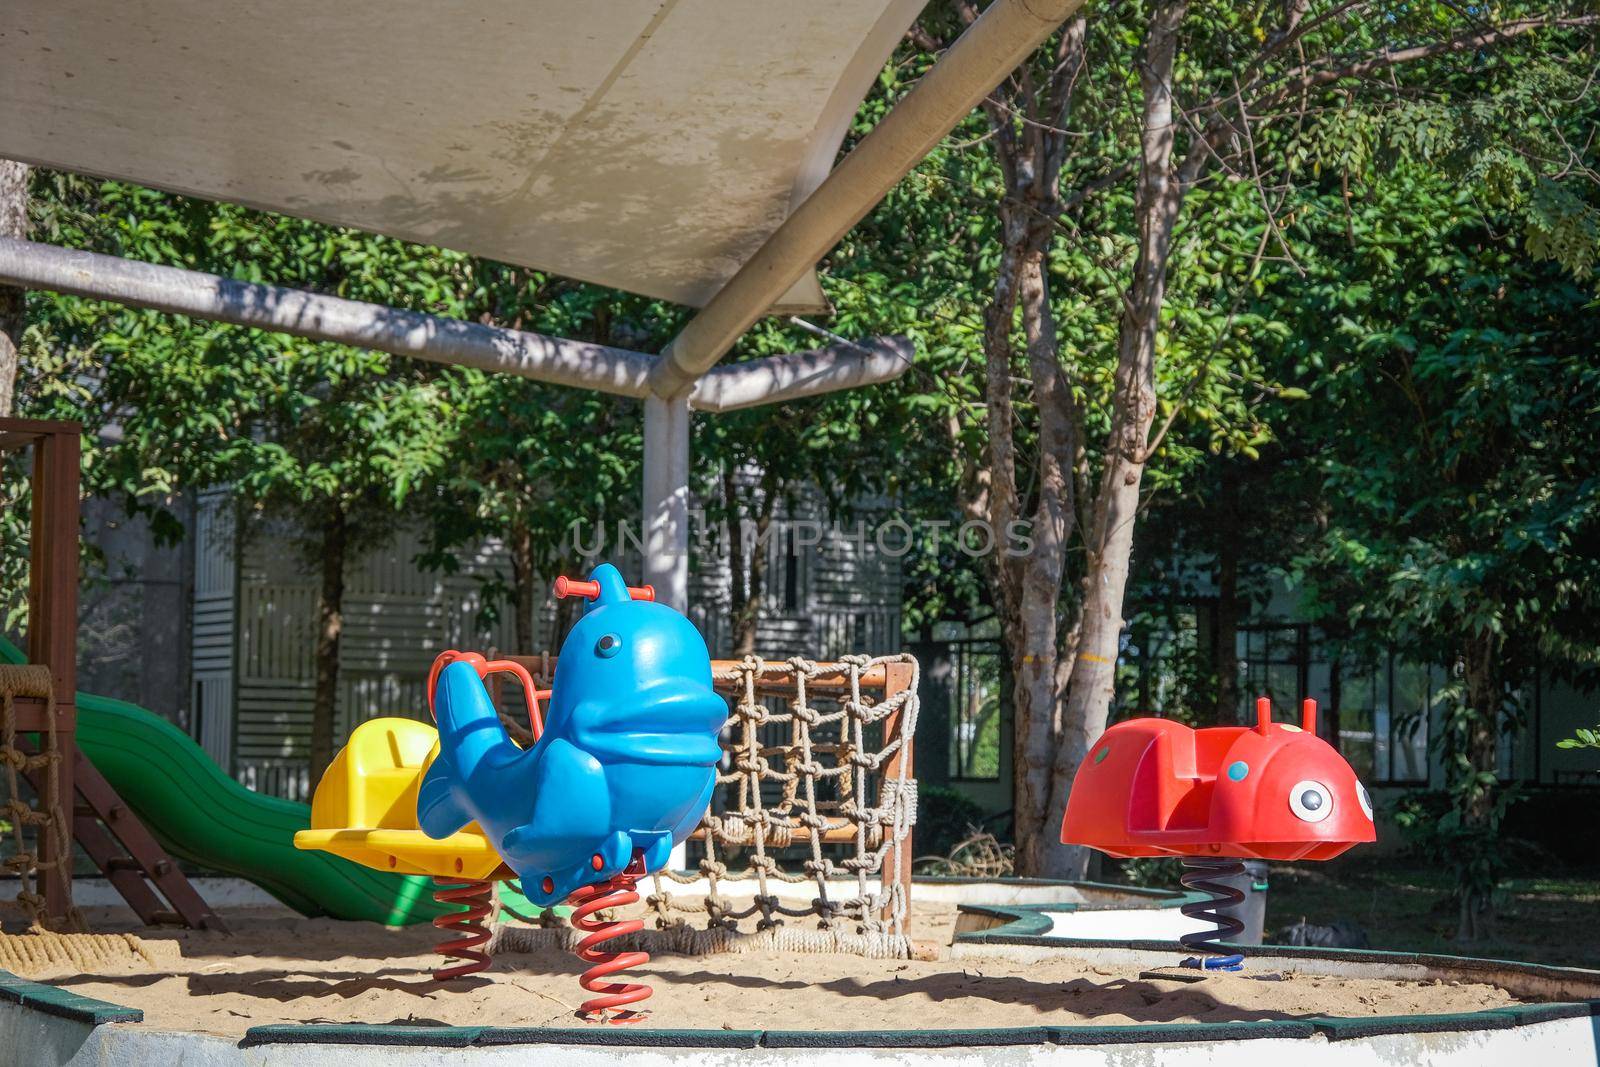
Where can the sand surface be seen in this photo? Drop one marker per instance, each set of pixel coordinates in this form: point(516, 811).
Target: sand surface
point(280, 968)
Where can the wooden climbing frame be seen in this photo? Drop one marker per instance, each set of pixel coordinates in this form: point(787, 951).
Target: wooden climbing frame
point(110, 833)
point(52, 616)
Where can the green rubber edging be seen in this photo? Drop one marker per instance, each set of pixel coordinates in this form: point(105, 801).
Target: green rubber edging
point(1153, 892)
point(361, 1034)
point(1031, 920)
point(202, 815)
point(1025, 919)
point(1330, 1028)
point(458, 1037)
point(63, 1003)
point(1021, 920)
point(60, 1002)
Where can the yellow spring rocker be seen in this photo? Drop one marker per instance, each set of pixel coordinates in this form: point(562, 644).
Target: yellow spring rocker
point(365, 810)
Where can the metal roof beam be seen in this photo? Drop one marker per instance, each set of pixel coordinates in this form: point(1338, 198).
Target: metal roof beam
point(325, 318)
point(438, 339)
point(775, 379)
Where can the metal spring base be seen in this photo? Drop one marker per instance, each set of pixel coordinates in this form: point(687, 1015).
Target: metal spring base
point(1198, 875)
point(477, 898)
point(618, 891)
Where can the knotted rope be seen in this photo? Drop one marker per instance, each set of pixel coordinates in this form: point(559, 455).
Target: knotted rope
point(31, 680)
point(40, 950)
point(779, 789)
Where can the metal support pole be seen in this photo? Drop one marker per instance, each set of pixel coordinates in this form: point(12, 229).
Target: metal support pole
point(666, 514)
point(666, 498)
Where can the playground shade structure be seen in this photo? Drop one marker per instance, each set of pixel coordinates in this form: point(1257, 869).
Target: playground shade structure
point(642, 145)
point(203, 816)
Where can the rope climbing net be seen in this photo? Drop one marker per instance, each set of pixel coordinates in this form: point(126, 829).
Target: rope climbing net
point(28, 821)
point(807, 843)
point(818, 767)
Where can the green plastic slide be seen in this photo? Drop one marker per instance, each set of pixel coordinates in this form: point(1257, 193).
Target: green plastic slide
point(203, 816)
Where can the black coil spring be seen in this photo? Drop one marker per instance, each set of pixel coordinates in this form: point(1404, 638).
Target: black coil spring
point(1199, 874)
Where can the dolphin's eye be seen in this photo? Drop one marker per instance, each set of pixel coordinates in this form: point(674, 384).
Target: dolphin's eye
point(1310, 801)
point(608, 645)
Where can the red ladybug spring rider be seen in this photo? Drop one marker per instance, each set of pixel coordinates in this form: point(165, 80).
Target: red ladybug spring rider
point(1272, 791)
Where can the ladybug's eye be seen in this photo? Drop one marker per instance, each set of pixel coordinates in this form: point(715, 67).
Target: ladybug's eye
point(1365, 798)
point(608, 645)
point(1310, 801)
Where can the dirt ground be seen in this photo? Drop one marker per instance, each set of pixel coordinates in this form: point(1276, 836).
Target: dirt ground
point(281, 968)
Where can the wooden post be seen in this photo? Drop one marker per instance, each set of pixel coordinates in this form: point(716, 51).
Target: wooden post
point(55, 605)
point(53, 617)
point(898, 680)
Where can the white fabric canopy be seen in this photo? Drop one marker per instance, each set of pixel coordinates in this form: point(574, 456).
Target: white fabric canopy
point(648, 145)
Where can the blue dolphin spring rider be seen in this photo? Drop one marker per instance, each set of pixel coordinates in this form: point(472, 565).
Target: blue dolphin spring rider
point(621, 770)
point(624, 768)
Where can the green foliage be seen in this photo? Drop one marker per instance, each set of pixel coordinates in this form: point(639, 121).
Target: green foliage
point(945, 817)
point(1464, 500)
point(1457, 517)
point(1429, 470)
point(297, 428)
point(1151, 872)
point(532, 459)
point(1470, 851)
point(1583, 738)
point(924, 262)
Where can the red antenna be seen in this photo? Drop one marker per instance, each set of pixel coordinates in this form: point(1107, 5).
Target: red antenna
point(566, 587)
point(1263, 715)
point(1308, 715)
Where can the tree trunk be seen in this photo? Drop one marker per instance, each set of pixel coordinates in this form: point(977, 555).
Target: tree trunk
point(1110, 542)
point(1226, 660)
point(330, 628)
point(1037, 824)
point(13, 223)
point(1330, 719)
point(1028, 118)
point(736, 573)
point(749, 573)
point(1485, 696)
point(523, 597)
point(1032, 698)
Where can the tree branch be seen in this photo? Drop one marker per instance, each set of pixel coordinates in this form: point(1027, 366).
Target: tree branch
point(1302, 78)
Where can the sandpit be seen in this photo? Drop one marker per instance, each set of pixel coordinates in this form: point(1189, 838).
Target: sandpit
point(282, 968)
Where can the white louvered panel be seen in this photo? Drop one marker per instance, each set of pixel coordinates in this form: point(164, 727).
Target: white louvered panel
point(211, 634)
point(214, 714)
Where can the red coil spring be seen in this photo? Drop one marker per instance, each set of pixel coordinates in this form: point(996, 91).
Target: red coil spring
point(617, 891)
point(477, 898)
